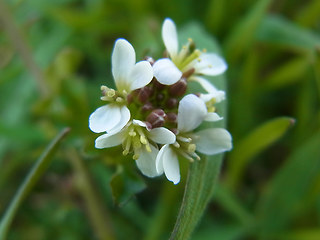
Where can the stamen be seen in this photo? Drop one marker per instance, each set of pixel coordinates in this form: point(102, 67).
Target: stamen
point(119, 99)
point(185, 155)
point(184, 139)
point(191, 148)
point(111, 93)
point(143, 140)
point(176, 144)
point(148, 148)
point(135, 156)
point(132, 133)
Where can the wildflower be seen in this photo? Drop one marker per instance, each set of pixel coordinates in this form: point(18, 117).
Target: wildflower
point(189, 62)
point(192, 111)
point(136, 137)
point(128, 76)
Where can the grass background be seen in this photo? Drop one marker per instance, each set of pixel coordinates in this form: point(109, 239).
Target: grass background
point(54, 55)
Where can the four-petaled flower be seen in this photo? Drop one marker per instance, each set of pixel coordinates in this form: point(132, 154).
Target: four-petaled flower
point(128, 76)
point(189, 62)
point(191, 113)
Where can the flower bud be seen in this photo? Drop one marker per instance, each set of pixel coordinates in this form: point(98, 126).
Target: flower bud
point(188, 73)
point(147, 107)
point(171, 117)
point(156, 118)
point(149, 59)
point(179, 88)
point(158, 85)
point(171, 103)
point(144, 94)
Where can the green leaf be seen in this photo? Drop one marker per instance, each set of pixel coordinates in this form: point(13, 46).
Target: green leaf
point(202, 174)
point(286, 74)
point(257, 141)
point(125, 184)
point(284, 198)
point(31, 179)
point(242, 36)
point(278, 30)
point(305, 234)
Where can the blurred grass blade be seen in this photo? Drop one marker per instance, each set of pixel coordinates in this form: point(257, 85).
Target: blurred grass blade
point(309, 14)
point(253, 144)
point(243, 33)
point(278, 30)
point(202, 174)
point(31, 179)
point(232, 205)
point(284, 198)
point(288, 73)
point(305, 234)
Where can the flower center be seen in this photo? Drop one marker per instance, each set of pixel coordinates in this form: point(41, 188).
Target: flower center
point(112, 96)
point(185, 147)
point(135, 139)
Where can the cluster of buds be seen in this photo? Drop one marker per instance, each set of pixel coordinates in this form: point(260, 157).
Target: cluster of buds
point(153, 114)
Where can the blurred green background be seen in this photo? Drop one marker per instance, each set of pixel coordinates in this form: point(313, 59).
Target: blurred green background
point(54, 55)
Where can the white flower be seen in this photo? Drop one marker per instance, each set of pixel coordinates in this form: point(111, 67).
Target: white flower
point(135, 137)
point(192, 111)
point(128, 76)
point(190, 61)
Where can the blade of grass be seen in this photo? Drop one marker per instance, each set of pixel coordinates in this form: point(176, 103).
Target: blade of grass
point(253, 144)
point(31, 179)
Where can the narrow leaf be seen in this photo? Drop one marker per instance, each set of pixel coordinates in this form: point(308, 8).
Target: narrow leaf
point(202, 174)
point(278, 30)
point(243, 33)
point(253, 144)
point(27, 185)
point(286, 192)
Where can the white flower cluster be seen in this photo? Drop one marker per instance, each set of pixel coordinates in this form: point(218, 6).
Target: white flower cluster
point(150, 113)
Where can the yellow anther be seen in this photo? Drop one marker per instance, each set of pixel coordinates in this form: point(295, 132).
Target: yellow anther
point(190, 40)
point(119, 99)
point(111, 93)
point(176, 144)
point(104, 88)
point(143, 140)
point(125, 152)
point(211, 109)
point(191, 148)
point(135, 156)
point(148, 148)
point(132, 133)
point(104, 98)
point(204, 50)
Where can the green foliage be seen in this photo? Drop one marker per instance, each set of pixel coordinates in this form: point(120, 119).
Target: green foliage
point(269, 182)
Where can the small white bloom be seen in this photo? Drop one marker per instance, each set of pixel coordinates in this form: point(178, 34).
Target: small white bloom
point(128, 76)
point(192, 111)
point(136, 138)
point(201, 63)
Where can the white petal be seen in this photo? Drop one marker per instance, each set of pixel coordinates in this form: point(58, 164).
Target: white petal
point(109, 140)
point(210, 64)
point(191, 112)
point(147, 162)
point(170, 37)
point(124, 119)
point(166, 71)
point(162, 135)
point(171, 165)
point(213, 117)
point(123, 60)
point(213, 141)
point(159, 159)
point(104, 118)
point(219, 95)
point(141, 75)
point(139, 123)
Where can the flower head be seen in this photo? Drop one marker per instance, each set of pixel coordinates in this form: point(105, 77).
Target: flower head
point(128, 76)
point(192, 112)
point(189, 62)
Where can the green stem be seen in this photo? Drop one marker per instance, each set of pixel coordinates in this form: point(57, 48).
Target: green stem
point(201, 180)
point(22, 47)
point(96, 210)
point(31, 179)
